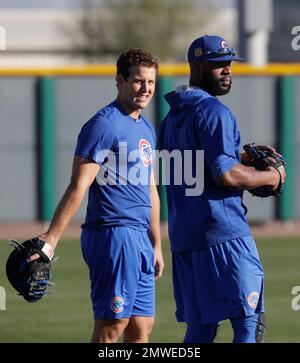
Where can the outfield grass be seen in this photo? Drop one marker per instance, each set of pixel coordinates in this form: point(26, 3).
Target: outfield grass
point(66, 315)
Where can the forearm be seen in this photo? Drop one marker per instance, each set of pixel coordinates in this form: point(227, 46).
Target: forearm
point(155, 219)
point(243, 177)
point(155, 231)
point(66, 209)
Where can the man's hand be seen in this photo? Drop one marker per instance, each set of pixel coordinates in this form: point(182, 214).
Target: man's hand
point(30, 279)
point(158, 263)
point(48, 241)
point(248, 161)
point(278, 178)
point(265, 158)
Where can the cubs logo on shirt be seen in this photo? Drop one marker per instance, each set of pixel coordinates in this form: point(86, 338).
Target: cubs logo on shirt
point(253, 299)
point(145, 152)
point(117, 304)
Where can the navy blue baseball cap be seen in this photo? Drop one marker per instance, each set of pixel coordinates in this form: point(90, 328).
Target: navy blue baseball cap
point(211, 48)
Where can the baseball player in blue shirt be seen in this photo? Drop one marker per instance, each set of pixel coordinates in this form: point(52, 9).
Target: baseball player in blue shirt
point(120, 238)
point(217, 273)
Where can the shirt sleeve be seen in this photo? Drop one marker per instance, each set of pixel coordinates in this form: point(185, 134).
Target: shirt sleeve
point(153, 135)
point(96, 139)
point(216, 130)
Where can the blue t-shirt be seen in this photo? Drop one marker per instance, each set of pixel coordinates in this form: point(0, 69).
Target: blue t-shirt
point(199, 121)
point(122, 146)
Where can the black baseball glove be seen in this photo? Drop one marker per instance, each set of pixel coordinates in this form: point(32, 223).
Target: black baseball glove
point(30, 279)
point(260, 159)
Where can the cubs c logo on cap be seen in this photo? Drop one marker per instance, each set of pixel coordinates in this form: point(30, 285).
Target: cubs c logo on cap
point(145, 152)
point(253, 299)
point(224, 44)
point(117, 304)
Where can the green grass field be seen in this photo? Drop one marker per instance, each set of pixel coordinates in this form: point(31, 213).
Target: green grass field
point(66, 314)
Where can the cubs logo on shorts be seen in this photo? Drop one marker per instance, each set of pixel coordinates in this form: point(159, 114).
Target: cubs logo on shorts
point(117, 304)
point(253, 299)
point(146, 152)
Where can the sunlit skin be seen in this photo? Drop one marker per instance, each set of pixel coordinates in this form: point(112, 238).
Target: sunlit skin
point(135, 92)
point(213, 77)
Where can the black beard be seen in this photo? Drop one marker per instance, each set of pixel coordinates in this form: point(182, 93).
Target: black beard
point(213, 86)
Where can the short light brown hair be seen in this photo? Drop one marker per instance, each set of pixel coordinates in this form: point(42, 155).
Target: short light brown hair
point(135, 57)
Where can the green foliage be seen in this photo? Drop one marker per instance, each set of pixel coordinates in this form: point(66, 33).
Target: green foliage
point(163, 27)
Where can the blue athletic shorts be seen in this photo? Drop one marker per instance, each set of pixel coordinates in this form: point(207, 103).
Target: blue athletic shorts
point(221, 282)
point(121, 265)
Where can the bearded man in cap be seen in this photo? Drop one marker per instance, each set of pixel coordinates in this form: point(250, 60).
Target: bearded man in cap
point(217, 273)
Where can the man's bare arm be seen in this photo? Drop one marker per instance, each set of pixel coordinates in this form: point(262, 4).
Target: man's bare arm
point(84, 172)
point(244, 177)
point(155, 229)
